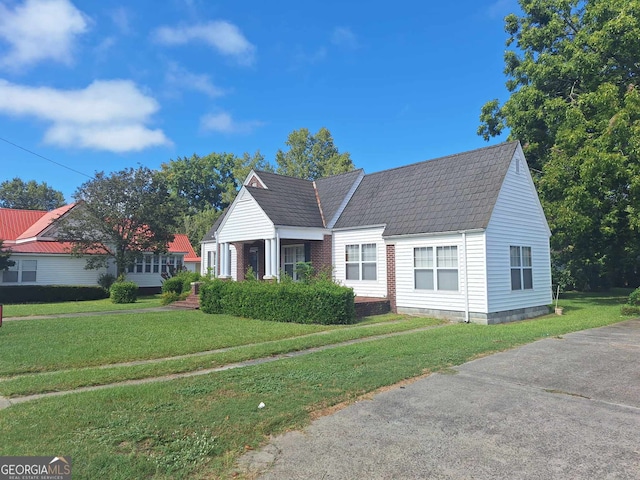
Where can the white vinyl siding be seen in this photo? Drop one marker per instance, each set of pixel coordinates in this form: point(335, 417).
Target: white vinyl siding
point(517, 220)
point(52, 270)
point(245, 221)
point(374, 263)
point(429, 273)
point(209, 259)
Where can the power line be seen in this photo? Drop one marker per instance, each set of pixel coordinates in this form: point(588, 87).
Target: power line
point(45, 158)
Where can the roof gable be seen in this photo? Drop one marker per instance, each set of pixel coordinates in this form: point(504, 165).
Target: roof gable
point(447, 194)
point(44, 222)
point(335, 192)
point(287, 201)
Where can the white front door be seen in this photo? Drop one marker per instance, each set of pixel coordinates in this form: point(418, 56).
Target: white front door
point(292, 254)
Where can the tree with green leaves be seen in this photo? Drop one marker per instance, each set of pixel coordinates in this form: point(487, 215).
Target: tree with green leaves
point(575, 106)
point(5, 263)
point(29, 196)
point(119, 217)
point(312, 156)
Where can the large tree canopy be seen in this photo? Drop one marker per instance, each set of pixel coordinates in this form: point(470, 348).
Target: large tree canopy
point(29, 196)
point(575, 106)
point(312, 156)
point(120, 216)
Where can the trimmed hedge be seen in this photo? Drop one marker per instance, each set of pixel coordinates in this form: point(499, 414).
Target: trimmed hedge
point(321, 302)
point(124, 292)
point(181, 283)
point(50, 293)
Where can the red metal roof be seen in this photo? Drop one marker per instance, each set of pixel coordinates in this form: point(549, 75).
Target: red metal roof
point(181, 244)
point(27, 224)
point(41, 247)
point(14, 223)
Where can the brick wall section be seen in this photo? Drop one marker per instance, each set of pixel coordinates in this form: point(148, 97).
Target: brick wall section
point(391, 277)
point(369, 308)
point(321, 253)
point(242, 257)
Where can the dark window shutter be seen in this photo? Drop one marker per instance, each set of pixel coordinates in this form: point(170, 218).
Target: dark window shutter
point(307, 252)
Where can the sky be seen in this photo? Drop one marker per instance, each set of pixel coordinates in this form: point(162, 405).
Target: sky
point(107, 85)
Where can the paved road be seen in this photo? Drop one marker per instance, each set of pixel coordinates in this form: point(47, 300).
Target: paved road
point(560, 408)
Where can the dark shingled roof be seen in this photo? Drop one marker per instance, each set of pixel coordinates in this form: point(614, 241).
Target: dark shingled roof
point(333, 190)
point(287, 200)
point(447, 194)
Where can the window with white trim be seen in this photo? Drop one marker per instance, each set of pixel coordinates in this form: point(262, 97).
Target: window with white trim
point(361, 262)
point(521, 268)
point(292, 255)
point(23, 271)
point(439, 275)
point(148, 263)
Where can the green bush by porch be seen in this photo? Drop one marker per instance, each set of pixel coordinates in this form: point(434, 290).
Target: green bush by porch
point(321, 302)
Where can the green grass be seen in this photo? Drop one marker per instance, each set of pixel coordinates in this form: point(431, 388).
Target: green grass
point(198, 427)
point(30, 384)
point(104, 305)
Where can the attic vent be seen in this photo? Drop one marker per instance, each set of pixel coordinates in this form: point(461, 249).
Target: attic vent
point(518, 166)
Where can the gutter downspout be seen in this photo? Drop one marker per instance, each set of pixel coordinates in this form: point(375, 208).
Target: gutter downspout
point(217, 257)
point(466, 280)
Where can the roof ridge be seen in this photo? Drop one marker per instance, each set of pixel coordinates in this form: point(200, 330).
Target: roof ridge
point(446, 157)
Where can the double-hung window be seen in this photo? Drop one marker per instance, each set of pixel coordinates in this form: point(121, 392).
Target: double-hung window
point(361, 262)
point(23, 271)
point(521, 268)
point(439, 273)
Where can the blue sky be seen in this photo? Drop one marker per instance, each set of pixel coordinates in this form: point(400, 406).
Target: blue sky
point(101, 86)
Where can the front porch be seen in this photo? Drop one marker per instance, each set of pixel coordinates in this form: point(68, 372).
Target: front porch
point(268, 259)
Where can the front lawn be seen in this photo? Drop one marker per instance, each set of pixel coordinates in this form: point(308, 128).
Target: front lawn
point(62, 308)
point(198, 427)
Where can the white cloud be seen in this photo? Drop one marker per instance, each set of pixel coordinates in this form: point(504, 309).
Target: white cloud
point(223, 36)
point(121, 17)
point(176, 76)
point(40, 30)
point(223, 123)
point(107, 115)
point(344, 37)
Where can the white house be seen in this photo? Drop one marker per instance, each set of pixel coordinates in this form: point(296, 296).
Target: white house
point(461, 237)
point(41, 260)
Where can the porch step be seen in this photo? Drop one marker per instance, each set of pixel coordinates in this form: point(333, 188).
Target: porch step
point(192, 302)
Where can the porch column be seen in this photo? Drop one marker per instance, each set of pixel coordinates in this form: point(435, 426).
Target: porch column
point(225, 263)
point(274, 257)
point(267, 259)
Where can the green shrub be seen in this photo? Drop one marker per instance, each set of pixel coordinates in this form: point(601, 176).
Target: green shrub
point(124, 292)
point(320, 302)
point(50, 293)
point(172, 285)
point(630, 310)
point(181, 283)
point(169, 297)
point(634, 298)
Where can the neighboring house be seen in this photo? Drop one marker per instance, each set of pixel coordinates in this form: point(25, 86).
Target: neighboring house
point(461, 237)
point(41, 260)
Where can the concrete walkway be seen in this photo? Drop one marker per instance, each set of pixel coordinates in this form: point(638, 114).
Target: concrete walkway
point(560, 408)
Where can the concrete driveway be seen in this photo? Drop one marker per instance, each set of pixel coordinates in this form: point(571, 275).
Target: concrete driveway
point(560, 408)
